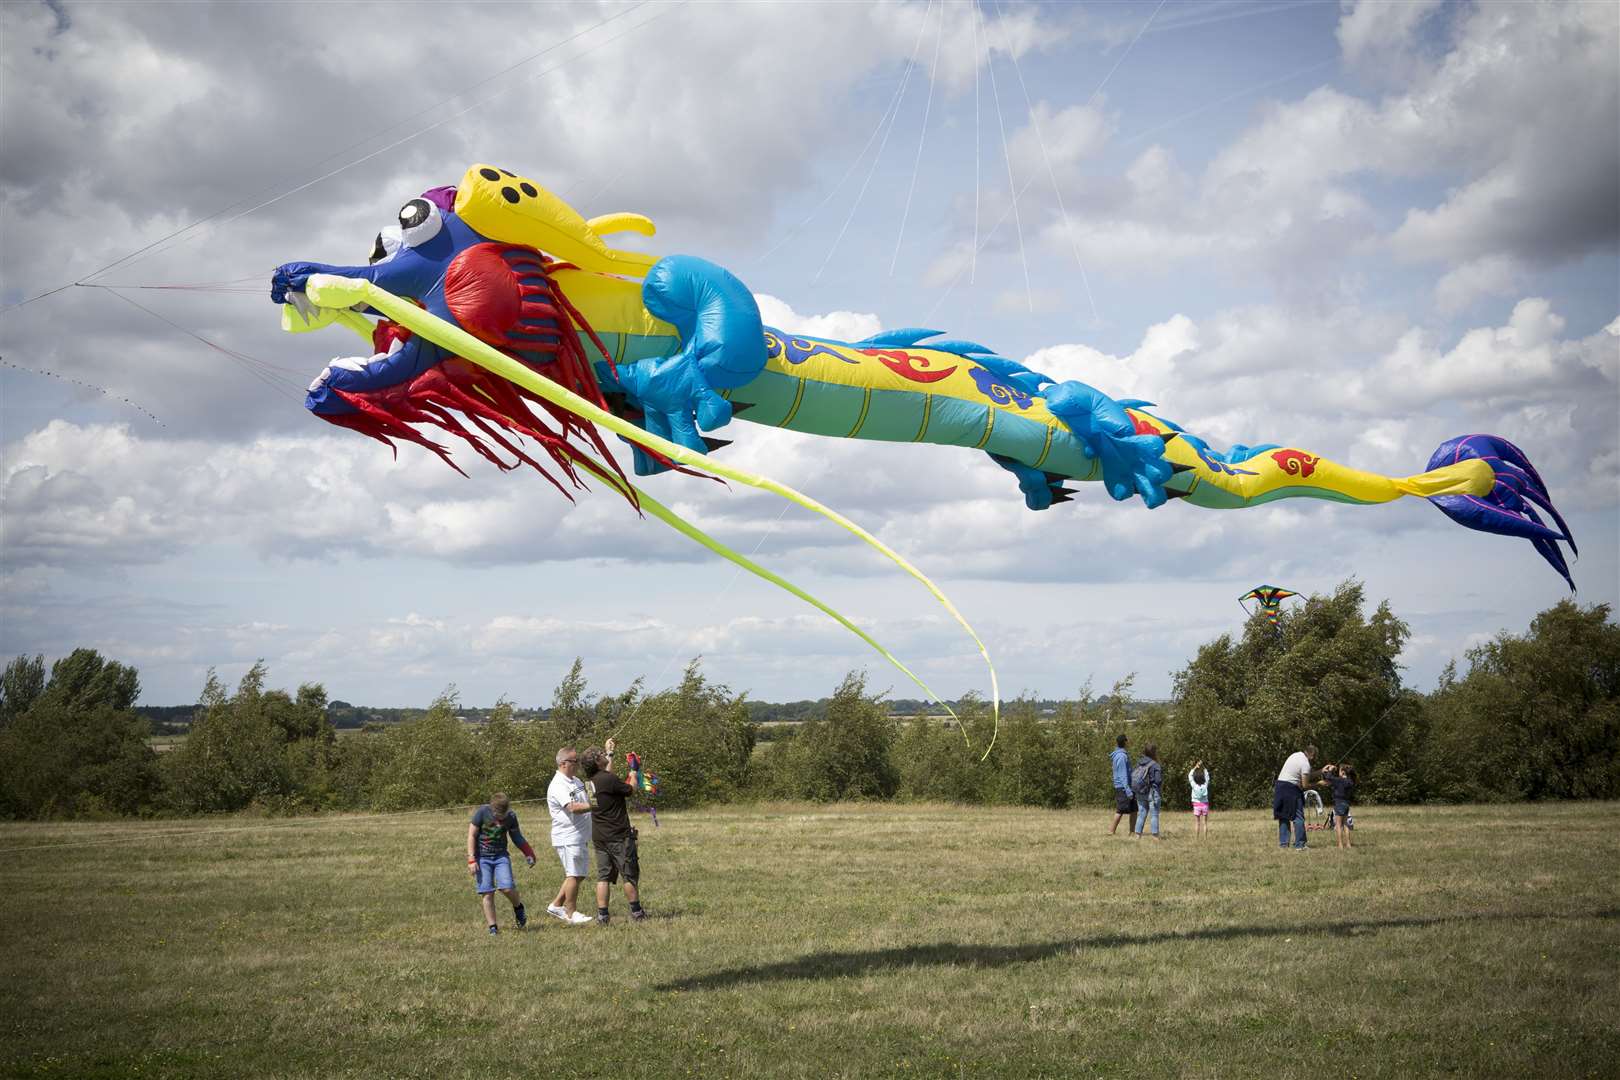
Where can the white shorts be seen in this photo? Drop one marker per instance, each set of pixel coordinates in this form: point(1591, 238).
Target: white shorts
point(576, 861)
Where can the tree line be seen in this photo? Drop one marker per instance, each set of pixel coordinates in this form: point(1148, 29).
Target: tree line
point(1527, 716)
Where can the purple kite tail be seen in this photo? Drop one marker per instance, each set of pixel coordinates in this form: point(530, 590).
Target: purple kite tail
point(1510, 507)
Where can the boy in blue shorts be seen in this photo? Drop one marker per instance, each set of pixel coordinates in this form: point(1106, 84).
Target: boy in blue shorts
point(487, 860)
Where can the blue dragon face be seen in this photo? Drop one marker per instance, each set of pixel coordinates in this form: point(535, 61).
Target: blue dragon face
point(410, 258)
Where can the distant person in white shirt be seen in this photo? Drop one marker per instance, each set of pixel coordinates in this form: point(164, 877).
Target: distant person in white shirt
point(570, 834)
point(1288, 797)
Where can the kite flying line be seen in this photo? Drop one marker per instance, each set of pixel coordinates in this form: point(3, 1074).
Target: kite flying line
point(102, 390)
point(148, 248)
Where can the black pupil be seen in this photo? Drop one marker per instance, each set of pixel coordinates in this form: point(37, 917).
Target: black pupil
point(413, 213)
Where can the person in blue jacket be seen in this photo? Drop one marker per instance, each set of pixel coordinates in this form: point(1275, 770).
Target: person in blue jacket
point(1124, 801)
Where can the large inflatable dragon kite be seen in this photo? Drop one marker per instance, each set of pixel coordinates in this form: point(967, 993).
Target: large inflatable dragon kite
point(496, 301)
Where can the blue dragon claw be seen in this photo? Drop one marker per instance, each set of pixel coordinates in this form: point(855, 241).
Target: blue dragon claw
point(1132, 464)
point(290, 278)
point(1041, 489)
point(1509, 508)
point(676, 400)
point(722, 347)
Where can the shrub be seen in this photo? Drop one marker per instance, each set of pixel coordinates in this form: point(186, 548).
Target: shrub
point(847, 755)
point(253, 747)
point(697, 737)
point(427, 763)
point(71, 745)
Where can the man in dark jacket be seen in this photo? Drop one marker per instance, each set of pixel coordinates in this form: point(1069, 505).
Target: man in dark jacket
point(611, 834)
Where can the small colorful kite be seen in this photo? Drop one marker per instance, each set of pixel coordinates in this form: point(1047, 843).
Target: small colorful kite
point(1269, 599)
point(645, 783)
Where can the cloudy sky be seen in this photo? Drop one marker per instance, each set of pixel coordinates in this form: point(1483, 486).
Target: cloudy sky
point(1360, 229)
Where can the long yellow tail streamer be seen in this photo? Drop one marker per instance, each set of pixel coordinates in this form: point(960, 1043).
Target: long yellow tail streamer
point(331, 291)
point(686, 528)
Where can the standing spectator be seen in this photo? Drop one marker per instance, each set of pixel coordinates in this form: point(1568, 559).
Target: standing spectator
point(611, 834)
point(488, 861)
point(1198, 779)
point(1124, 802)
point(570, 834)
point(1342, 779)
point(1288, 797)
point(1145, 782)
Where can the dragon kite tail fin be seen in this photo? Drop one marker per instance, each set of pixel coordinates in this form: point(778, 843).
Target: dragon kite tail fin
point(1508, 506)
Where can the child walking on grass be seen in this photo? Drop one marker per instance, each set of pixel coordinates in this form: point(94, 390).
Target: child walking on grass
point(487, 860)
point(1198, 779)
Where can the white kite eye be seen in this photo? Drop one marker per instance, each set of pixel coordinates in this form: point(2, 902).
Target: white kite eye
point(387, 244)
point(419, 222)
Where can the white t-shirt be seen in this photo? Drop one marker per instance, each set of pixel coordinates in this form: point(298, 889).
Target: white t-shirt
point(568, 829)
point(1296, 768)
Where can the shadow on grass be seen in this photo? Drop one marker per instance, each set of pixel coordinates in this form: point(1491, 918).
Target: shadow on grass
point(835, 965)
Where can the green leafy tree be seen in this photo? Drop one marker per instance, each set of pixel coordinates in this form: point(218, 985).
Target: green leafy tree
point(934, 763)
point(1327, 675)
point(429, 762)
point(846, 755)
point(1085, 731)
point(697, 737)
point(356, 759)
point(73, 746)
point(518, 758)
point(614, 710)
point(233, 754)
point(1536, 717)
point(254, 747)
point(1028, 766)
point(573, 712)
point(20, 686)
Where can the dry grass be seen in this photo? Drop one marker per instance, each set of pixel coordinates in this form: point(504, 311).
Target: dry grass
point(843, 941)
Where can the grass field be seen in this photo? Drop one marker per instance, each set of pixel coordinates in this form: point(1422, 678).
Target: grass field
point(851, 941)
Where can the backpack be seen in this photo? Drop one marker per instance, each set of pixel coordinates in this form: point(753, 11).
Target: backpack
point(1140, 778)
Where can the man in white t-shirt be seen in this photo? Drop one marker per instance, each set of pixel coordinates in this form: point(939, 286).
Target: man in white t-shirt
point(570, 807)
point(1288, 797)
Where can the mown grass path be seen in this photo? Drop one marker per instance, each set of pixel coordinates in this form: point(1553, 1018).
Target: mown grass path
point(853, 941)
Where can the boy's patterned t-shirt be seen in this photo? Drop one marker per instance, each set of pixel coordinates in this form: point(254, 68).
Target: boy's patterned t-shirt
point(492, 831)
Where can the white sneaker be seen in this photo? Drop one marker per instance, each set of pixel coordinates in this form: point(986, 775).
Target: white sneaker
point(579, 918)
point(556, 912)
